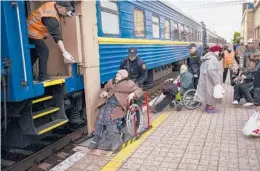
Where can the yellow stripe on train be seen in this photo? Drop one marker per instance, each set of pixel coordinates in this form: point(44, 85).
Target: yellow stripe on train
point(106, 40)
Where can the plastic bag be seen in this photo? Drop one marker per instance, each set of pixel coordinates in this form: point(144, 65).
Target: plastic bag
point(219, 92)
point(252, 127)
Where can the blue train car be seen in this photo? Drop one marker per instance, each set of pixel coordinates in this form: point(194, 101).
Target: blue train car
point(160, 33)
point(32, 110)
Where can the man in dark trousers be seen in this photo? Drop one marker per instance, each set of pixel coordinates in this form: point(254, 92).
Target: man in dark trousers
point(41, 22)
point(135, 66)
point(193, 63)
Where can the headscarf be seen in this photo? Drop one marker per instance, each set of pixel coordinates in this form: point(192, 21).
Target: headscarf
point(123, 73)
point(183, 69)
point(215, 49)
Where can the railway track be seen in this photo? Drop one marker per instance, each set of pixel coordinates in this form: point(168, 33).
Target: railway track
point(14, 159)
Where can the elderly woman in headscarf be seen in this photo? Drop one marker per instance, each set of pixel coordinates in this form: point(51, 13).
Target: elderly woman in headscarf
point(186, 79)
point(112, 105)
point(210, 76)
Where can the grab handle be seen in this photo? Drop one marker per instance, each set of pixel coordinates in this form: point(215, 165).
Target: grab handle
point(21, 41)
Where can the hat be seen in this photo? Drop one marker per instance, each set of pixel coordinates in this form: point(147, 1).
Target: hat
point(192, 45)
point(132, 51)
point(66, 4)
point(123, 73)
point(215, 49)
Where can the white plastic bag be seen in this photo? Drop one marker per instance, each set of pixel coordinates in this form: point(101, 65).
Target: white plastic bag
point(219, 91)
point(252, 127)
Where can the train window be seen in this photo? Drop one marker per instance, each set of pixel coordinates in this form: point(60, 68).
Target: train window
point(139, 23)
point(109, 17)
point(193, 35)
point(167, 29)
point(176, 31)
point(196, 36)
point(185, 33)
point(156, 27)
point(190, 34)
point(182, 32)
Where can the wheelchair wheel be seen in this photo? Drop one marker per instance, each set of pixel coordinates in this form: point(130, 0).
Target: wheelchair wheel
point(189, 101)
point(134, 111)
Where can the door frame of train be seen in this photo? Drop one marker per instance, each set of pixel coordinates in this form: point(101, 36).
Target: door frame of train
point(90, 63)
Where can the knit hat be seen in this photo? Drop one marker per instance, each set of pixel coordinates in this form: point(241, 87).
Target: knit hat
point(66, 4)
point(123, 73)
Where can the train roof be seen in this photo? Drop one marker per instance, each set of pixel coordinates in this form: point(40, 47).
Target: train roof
point(177, 9)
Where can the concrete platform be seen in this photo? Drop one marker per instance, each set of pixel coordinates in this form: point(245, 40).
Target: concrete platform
point(184, 141)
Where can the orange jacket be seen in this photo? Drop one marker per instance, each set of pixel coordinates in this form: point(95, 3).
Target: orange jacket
point(228, 59)
point(36, 29)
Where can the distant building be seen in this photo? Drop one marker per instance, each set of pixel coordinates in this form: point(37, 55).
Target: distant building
point(250, 25)
point(247, 25)
point(257, 20)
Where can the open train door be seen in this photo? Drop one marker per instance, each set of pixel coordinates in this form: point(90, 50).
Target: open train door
point(90, 60)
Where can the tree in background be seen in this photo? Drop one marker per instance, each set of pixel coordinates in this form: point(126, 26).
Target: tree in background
point(236, 37)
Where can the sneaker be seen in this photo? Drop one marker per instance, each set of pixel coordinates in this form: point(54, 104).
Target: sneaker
point(248, 104)
point(235, 102)
point(211, 110)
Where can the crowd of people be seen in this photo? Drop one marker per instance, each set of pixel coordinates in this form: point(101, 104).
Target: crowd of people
point(203, 71)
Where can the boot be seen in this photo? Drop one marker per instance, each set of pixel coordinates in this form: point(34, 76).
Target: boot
point(94, 143)
point(117, 141)
point(106, 142)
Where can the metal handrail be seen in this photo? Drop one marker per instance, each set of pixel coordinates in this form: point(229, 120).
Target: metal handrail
point(21, 39)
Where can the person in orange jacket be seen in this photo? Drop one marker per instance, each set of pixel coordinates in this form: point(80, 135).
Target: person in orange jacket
point(228, 60)
point(42, 22)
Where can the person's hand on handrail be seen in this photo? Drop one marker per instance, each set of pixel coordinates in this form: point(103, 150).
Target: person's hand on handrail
point(104, 94)
point(130, 97)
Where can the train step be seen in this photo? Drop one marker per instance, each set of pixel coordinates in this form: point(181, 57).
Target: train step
point(42, 99)
point(53, 82)
point(50, 126)
point(44, 112)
